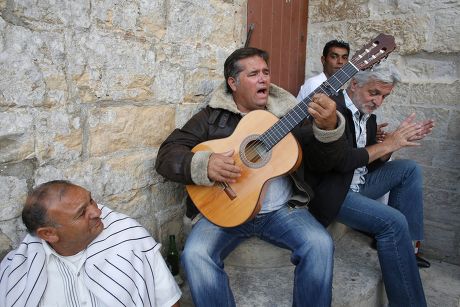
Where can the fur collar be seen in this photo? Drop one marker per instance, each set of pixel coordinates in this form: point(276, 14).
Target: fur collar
point(279, 103)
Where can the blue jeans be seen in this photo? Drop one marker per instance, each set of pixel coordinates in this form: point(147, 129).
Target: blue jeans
point(291, 228)
point(394, 226)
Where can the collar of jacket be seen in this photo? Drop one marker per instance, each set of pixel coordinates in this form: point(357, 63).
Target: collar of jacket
point(279, 102)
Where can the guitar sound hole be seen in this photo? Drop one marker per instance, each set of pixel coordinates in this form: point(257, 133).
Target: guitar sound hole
point(253, 152)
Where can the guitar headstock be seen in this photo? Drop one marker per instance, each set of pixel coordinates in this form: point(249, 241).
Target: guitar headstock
point(374, 51)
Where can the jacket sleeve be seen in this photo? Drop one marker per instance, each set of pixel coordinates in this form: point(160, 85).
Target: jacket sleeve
point(320, 148)
point(174, 159)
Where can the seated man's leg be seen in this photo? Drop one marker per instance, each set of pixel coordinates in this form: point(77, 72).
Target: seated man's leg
point(312, 253)
point(205, 249)
point(404, 180)
point(396, 255)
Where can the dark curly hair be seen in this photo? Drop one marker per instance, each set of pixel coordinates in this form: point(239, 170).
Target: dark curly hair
point(232, 67)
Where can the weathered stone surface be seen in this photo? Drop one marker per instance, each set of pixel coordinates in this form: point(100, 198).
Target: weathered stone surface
point(441, 237)
point(16, 137)
point(438, 209)
point(437, 95)
point(445, 179)
point(326, 11)
point(394, 113)
point(102, 72)
point(61, 136)
point(167, 195)
point(90, 89)
point(5, 245)
point(453, 128)
point(447, 30)
point(116, 128)
point(185, 111)
point(426, 70)
point(409, 32)
point(13, 193)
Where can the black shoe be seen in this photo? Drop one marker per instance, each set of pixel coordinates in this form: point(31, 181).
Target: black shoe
point(422, 263)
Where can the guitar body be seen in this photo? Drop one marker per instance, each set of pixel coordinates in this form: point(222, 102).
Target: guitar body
point(238, 202)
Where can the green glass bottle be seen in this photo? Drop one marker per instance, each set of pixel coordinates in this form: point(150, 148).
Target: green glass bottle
point(173, 256)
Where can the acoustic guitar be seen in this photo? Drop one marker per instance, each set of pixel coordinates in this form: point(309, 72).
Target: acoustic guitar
point(265, 148)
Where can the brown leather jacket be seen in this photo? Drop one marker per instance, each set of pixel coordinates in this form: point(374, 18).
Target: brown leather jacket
point(176, 162)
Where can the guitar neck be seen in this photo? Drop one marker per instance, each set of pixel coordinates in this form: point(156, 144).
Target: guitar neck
point(278, 131)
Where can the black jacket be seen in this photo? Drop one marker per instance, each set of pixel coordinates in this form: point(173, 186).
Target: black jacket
point(330, 188)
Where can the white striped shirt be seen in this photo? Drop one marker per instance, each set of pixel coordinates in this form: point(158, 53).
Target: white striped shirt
point(122, 267)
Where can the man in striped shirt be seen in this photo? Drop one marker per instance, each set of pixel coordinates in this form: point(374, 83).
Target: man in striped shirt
point(78, 253)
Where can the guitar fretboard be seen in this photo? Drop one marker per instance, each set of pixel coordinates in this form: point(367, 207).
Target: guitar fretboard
point(278, 131)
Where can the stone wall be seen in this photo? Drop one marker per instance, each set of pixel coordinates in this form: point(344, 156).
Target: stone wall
point(90, 89)
point(427, 34)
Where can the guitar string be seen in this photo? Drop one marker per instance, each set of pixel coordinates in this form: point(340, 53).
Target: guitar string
point(270, 134)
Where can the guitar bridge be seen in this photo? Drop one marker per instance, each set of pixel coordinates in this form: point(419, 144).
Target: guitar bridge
point(229, 191)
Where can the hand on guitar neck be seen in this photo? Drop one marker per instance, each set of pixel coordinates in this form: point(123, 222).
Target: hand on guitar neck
point(222, 168)
point(322, 109)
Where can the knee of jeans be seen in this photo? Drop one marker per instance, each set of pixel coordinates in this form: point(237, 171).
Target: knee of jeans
point(397, 223)
point(192, 253)
point(413, 168)
point(319, 243)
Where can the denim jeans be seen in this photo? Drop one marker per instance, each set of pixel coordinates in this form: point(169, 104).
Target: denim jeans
point(394, 226)
point(292, 228)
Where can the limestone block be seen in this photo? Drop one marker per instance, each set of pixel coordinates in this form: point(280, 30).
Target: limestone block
point(439, 236)
point(44, 13)
point(168, 87)
point(107, 66)
point(21, 82)
point(446, 31)
point(439, 95)
point(393, 113)
point(14, 229)
point(444, 179)
point(438, 208)
point(415, 7)
point(190, 21)
point(453, 128)
point(32, 68)
point(16, 135)
point(134, 203)
point(13, 192)
point(5, 245)
point(84, 173)
point(185, 111)
point(419, 69)
point(117, 128)
point(409, 32)
point(200, 83)
point(326, 11)
point(423, 155)
point(168, 194)
point(447, 152)
point(128, 172)
point(60, 135)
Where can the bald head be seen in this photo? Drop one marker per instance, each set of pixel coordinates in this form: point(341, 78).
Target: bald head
point(34, 213)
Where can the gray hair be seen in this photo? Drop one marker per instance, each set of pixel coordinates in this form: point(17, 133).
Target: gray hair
point(385, 72)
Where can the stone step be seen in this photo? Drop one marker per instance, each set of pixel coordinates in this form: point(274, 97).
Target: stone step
point(261, 274)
